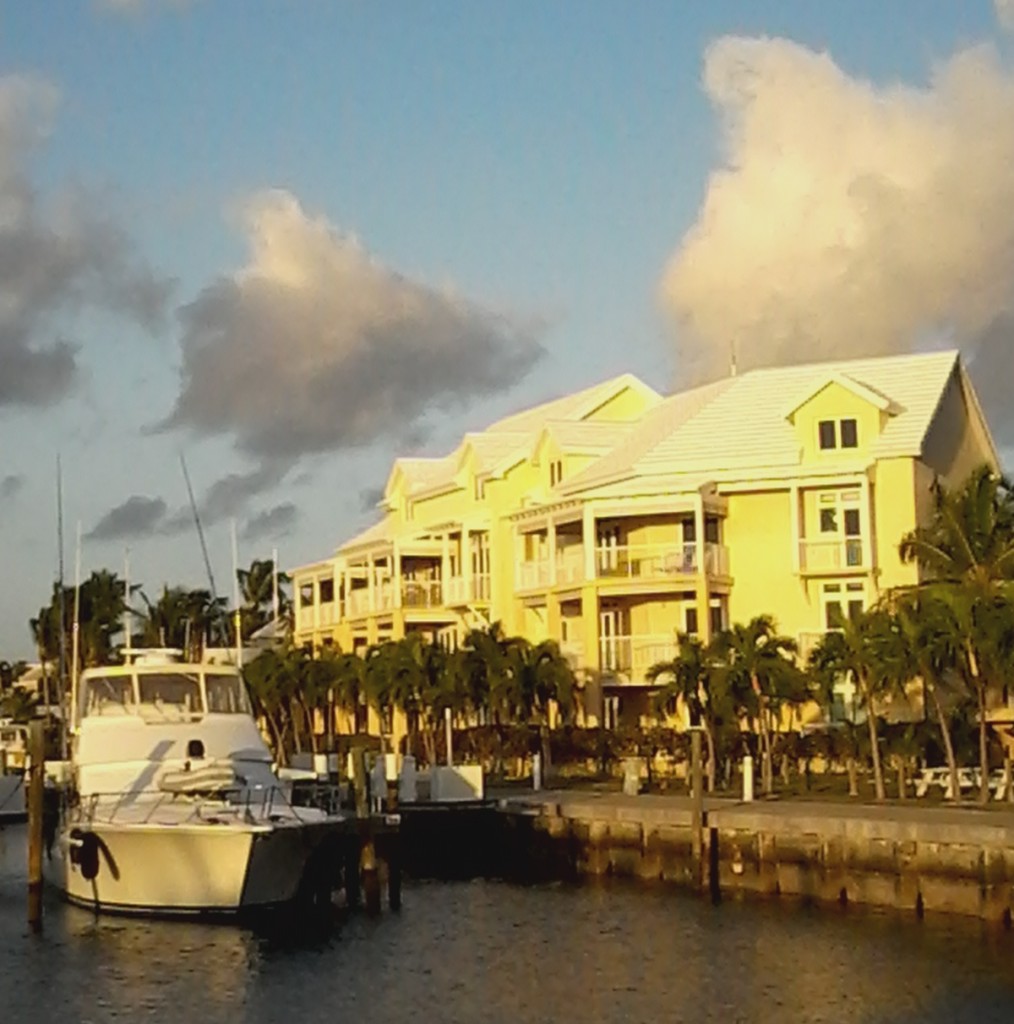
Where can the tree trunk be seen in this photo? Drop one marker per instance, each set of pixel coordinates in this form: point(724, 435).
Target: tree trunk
point(850, 767)
point(711, 758)
point(878, 771)
point(945, 735)
point(901, 779)
point(983, 746)
point(767, 767)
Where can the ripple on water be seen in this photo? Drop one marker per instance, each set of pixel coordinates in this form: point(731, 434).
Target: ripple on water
point(489, 953)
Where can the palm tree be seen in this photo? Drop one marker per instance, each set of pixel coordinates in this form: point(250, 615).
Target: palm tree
point(761, 671)
point(860, 648)
point(257, 585)
point(969, 540)
point(967, 552)
point(926, 650)
point(692, 680)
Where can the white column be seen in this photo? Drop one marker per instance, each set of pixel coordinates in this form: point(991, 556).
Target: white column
point(371, 583)
point(316, 603)
point(466, 562)
point(588, 541)
point(396, 574)
point(797, 532)
point(445, 564)
point(866, 522)
point(551, 541)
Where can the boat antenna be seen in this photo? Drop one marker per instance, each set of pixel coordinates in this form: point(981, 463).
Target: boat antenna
point(62, 672)
point(204, 547)
point(236, 598)
point(128, 640)
point(75, 636)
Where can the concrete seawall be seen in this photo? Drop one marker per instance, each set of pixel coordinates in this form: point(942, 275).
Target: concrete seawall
point(916, 858)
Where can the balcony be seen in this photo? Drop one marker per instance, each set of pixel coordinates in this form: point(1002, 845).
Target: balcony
point(831, 556)
point(537, 574)
point(310, 616)
point(422, 594)
point(468, 591)
point(627, 658)
point(660, 561)
point(573, 651)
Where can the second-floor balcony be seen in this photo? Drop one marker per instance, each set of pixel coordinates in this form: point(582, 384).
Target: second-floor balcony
point(661, 561)
point(422, 594)
point(627, 659)
point(838, 555)
point(461, 591)
point(310, 616)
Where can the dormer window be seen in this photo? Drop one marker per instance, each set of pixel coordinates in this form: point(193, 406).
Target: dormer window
point(837, 434)
point(555, 472)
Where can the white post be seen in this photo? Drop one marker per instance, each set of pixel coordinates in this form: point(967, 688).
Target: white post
point(449, 736)
point(747, 778)
point(536, 771)
point(75, 638)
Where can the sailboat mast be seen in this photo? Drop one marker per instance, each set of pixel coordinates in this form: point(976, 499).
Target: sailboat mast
point(75, 636)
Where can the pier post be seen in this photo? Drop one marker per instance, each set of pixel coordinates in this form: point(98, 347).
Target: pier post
point(696, 806)
point(36, 781)
point(393, 845)
point(367, 848)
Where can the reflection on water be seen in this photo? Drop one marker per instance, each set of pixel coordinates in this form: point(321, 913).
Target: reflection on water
point(485, 952)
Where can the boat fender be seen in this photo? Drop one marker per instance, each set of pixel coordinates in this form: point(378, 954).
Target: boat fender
point(84, 852)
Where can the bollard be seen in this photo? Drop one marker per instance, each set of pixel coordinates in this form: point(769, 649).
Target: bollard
point(36, 779)
point(536, 771)
point(747, 778)
point(449, 736)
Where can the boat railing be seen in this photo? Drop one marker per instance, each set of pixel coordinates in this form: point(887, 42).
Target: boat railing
point(249, 804)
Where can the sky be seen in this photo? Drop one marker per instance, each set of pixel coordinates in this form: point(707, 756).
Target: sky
point(289, 241)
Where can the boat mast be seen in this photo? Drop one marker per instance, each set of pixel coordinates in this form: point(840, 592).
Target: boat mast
point(75, 636)
point(236, 598)
point(62, 671)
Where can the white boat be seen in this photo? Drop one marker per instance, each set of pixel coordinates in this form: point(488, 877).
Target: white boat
point(13, 755)
point(175, 805)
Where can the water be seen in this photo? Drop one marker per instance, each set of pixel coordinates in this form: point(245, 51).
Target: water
point(490, 953)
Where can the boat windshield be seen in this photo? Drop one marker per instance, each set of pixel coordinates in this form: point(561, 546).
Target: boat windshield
point(226, 694)
point(108, 695)
point(169, 696)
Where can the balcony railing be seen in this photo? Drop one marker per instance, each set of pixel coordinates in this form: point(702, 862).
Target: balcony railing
point(660, 561)
point(632, 656)
point(311, 616)
point(831, 555)
point(467, 591)
point(422, 594)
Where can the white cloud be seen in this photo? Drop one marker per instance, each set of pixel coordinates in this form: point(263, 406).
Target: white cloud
point(849, 218)
point(1005, 13)
point(57, 255)
point(316, 346)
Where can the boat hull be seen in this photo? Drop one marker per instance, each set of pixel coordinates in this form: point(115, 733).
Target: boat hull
point(194, 869)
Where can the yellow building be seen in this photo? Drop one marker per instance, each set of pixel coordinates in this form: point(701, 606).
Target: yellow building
point(612, 518)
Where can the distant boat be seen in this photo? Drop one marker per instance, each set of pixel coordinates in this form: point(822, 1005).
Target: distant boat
point(175, 804)
point(13, 754)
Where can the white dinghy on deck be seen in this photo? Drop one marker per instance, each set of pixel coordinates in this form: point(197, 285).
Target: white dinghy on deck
point(176, 804)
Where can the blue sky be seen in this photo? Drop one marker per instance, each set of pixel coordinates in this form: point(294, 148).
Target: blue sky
point(295, 239)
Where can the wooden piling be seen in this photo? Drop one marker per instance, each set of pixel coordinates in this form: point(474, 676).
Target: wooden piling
point(393, 846)
point(697, 806)
point(36, 781)
point(367, 849)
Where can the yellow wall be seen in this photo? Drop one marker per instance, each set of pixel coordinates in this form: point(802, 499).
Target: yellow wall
point(835, 402)
point(955, 443)
point(894, 501)
point(758, 533)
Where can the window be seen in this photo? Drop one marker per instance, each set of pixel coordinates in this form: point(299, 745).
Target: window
point(108, 696)
point(837, 434)
point(326, 591)
point(169, 696)
point(226, 695)
point(480, 489)
point(555, 472)
point(717, 619)
point(690, 620)
point(841, 600)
